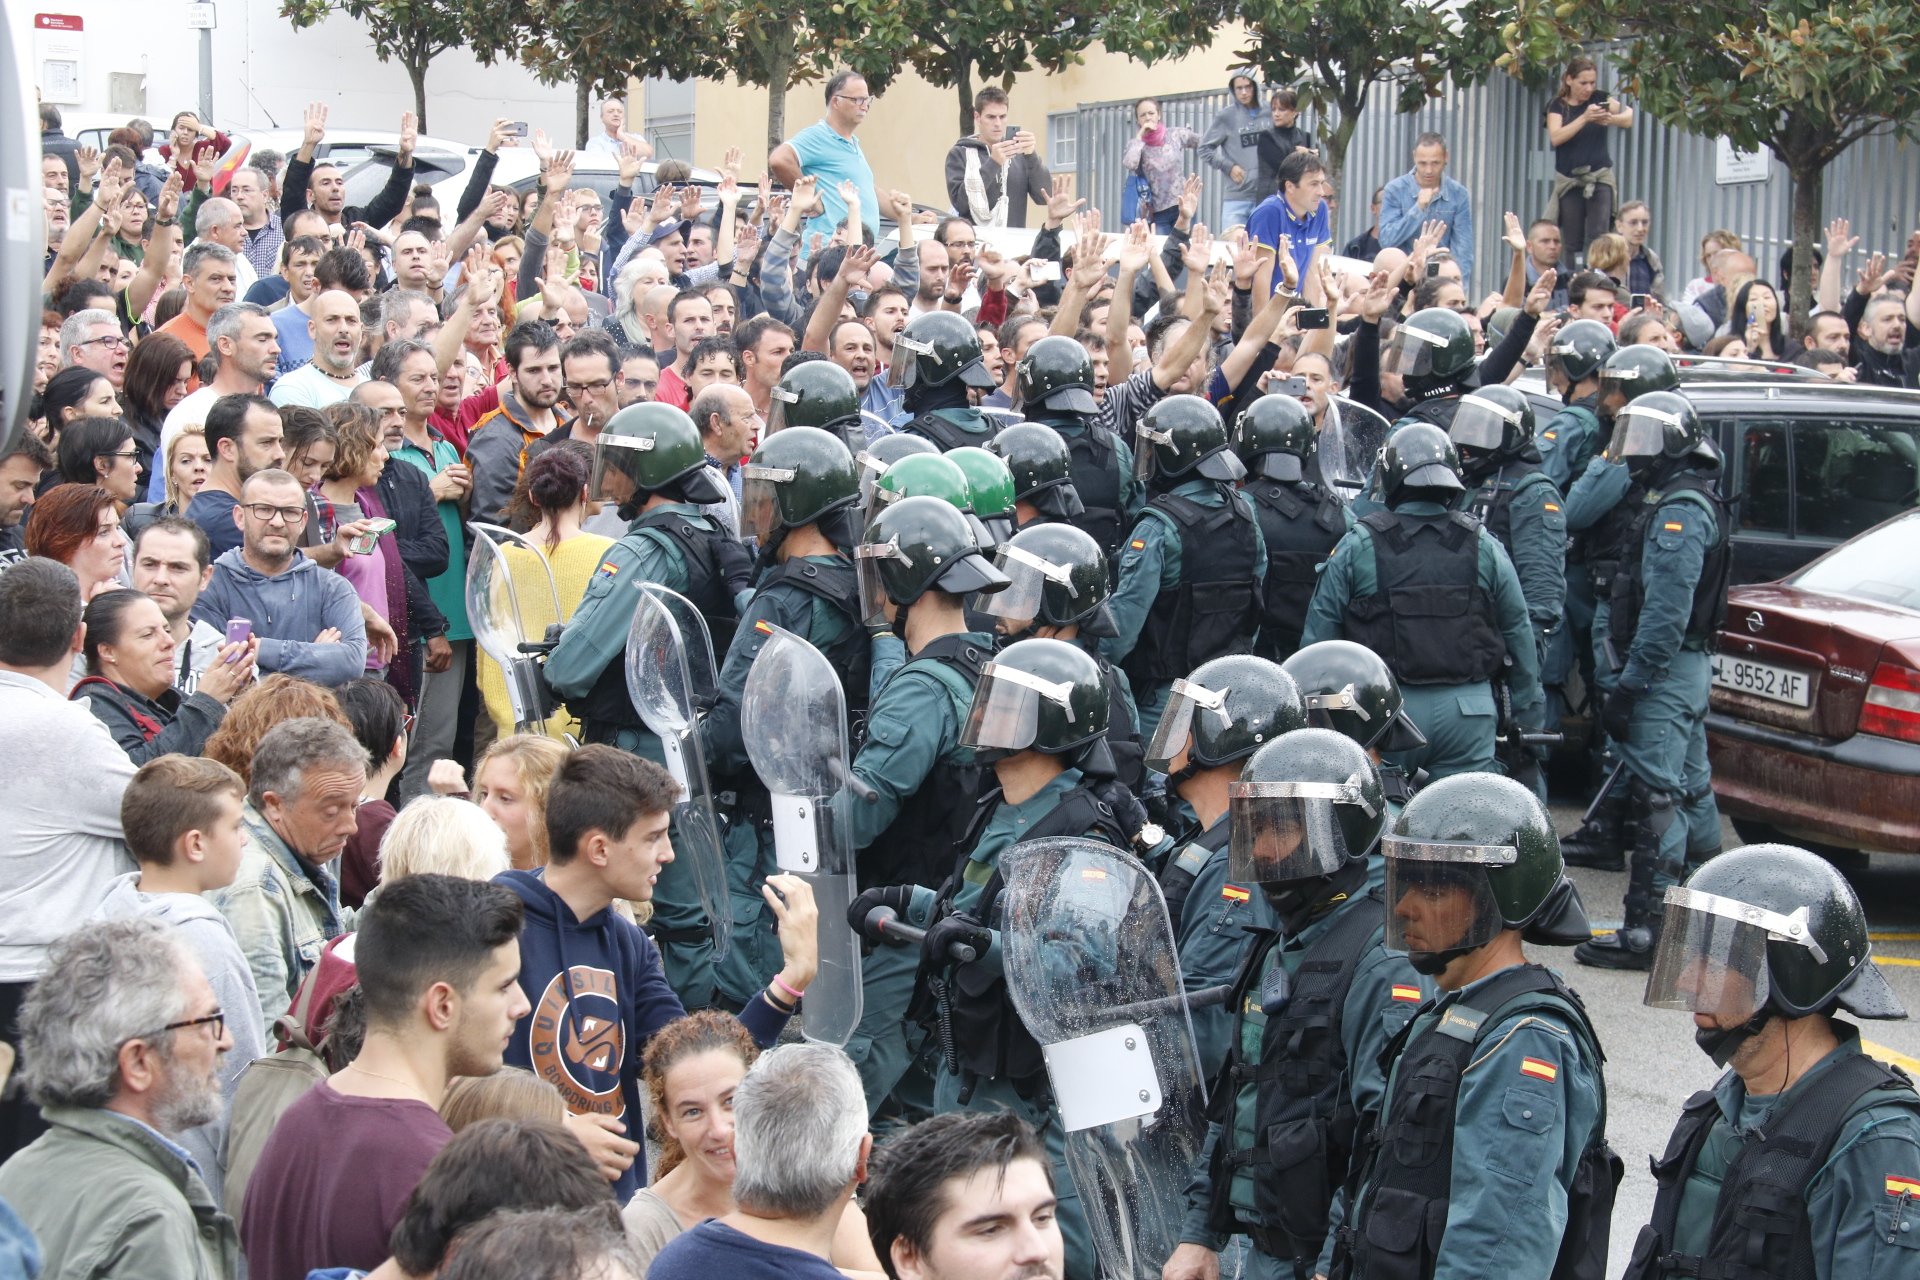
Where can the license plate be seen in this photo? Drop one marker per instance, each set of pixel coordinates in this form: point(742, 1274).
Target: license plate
point(1761, 680)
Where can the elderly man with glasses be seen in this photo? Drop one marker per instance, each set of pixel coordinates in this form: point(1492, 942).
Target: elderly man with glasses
point(828, 151)
point(92, 339)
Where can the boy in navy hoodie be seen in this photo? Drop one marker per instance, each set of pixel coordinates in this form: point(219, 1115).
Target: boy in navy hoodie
point(593, 978)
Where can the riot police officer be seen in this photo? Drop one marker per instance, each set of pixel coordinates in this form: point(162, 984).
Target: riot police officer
point(917, 564)
point(1804, 1159)
point(1059, 591)
point(1038, 720)
point(1042, 469)
point(1491, 1088)
point(1300, 520)
point(990, 491)
point(1053, 385)
point(1432, 354)
point(1602, 510)
point(938, 362)
point(1314, 1004)
point(926, 476)
point(1223, 712)
point(819, 394)
point(1665, 604)
point(1347, 688)
point(1429, 590)
point(873, 460)
point(1190, 576)
point(649, 462)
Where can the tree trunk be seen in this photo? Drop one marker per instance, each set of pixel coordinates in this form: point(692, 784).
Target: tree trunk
point(1339, 138)
point(962, 63)
point(1808, 178)
point(582, 96)
point(417, 72)
point(779, 80)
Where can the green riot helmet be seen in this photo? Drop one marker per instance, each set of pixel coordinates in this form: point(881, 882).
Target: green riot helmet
point(930, 476)
point(1631, 372)
point(934, 349)
point(651, 448)
point(1762, 930)
point(1428, 349)
point(1039, 695)
point(1042, 469)
point(990, 488)
point(1306, 805)
point(1656, 431)
point(1275, 437)
point(1579, 351)
point(1184, 435)
point(1224, 711)
point(1470, 857)
point(1491, 424)
point(917, 545)
point(1348, 688)
point(875, 458)
point(1059, 578)
point(1055, 376)
point(1419, 462)
point(796, 477)
point(819, 394)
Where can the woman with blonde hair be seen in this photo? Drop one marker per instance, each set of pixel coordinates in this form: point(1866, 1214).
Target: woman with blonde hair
point(510, 784)
point(511, 1093)
point(1609, 255)
point(442, 835)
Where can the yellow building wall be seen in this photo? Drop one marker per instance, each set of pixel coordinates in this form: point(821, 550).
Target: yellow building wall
point(908, 130)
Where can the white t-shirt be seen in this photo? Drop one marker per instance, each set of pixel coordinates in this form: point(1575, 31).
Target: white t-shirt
point(308, 386)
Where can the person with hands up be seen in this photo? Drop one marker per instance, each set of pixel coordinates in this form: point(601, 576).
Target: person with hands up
point(1297, 211)
point(323, 187)
point(1423, 195)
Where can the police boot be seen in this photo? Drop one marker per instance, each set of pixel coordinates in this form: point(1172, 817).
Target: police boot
point(1604, 835)
point(1631, 945)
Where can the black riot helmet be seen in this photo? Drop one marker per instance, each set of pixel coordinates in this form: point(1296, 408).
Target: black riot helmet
point(1224, 711)
point(1632, 372)
point(935, 348)
point(797, 477)
point(819, 394)
point(1042, 469)
point(1057, 577)
point(1348, 688)
point(1307, 804)
point(916, 545)
point(1039, 695)
point(1430, 348)
point(1275, 437)
point(1419, 462)
point(1055, 377)
point(1760, 931)
point(1492, 424)
point(651, 448)
point(1181, 436)
point(1579, 351)
point(1657, 433)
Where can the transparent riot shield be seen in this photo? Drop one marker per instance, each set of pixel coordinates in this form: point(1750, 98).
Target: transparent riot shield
point(1094, 972)
point(793, 716)
point(511, 601)
point(1350, 439)
point(670, 677)
point(1002, 417)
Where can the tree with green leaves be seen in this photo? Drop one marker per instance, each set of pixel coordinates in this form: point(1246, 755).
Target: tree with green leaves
point(410, 32)
point(1805, 80)
point(961, 41)
point(1332, 52)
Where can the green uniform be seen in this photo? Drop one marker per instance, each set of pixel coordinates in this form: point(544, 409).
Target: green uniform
point(953, 428)
point(1211, 934)
point(1569, 441)
point(1457, 719)
point(1599, 489)
point(1567, 444)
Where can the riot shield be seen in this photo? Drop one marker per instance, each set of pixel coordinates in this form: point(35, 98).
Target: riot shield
point(1094, 972)
point(1350, 439)
point(670, 677)
point(1002, 417)
point(793, 716)
point(511, 601)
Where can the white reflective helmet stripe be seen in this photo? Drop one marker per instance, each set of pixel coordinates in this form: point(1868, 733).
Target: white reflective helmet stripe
point(1500, 411)
point(1200, 695)
point(1061, 693)
point(1045, 568)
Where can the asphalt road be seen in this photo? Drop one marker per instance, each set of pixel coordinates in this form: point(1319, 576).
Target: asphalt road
point(1653, 1065)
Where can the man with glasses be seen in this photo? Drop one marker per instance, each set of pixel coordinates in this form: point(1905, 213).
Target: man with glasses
point(307, 619)
point(639, 377)
point(92, 339)
point(828, 151)
point(123, 1053)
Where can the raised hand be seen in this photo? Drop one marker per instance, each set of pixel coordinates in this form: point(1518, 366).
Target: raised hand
point(630, 162)
point(661, 211)
point(854, 262)
point(205, 165)
point(995, 267)
point(557, 173)
point(1873, 275)
point(169, 203)
point(1289, 269)
point(746, 245)
point(88, 159)
point(1089, 258)
point(1246, 264)
point(1840, 240)
point(730, 165)
point(729, 189)
point(689, 202)
point(806, 196)
point(1199, 251)
point(1377, 297)
point(1135, 249)
point(1060, 202)
point(1541, 293)
point(1515, 237)
point(498, 137)
point(409, 134)
point(542, 146)
point(1190, 197)
point(313, 125)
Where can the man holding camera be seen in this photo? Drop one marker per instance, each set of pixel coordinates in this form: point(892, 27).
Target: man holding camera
point(994, 171)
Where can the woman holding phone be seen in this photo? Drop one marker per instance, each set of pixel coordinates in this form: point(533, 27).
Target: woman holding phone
point(1583, 187)
point(373, 562)
point(129, 680)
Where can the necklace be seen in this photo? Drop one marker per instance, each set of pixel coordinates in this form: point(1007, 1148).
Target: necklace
point(405, 1084)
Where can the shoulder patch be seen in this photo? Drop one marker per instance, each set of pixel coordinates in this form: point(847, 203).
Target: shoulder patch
point(1234, 893)
point(1539, 1069)
point(1403, 992)
point(764, 627)
point(1674, 526)
point(1138, 544)
point(609, 568)
point(1552, 506)
point(1461, 1023)
point(1901, 1186)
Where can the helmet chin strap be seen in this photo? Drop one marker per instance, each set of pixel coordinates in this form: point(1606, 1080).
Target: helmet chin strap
point(1721, 1043)
point(1432, 963)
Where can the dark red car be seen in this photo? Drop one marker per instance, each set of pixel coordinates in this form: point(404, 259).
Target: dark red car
point(1814, 731)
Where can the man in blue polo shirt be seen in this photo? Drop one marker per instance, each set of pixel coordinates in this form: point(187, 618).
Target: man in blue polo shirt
point(829, 151)
point(1298, 211)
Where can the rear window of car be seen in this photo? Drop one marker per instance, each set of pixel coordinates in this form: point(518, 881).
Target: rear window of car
point(1883, 566)
point(1826, 478)
point(368, 178)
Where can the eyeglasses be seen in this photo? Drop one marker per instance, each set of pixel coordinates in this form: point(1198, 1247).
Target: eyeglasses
point(217, 1020)
point(858, 102)
point(119, 453)
point(589, 388)
point(406, 725)
point(113, 340)
point(267, 514)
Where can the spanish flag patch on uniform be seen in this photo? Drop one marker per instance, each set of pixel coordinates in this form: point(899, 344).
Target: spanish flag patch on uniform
point(1539, 1069)
point(1551, 506)
point(609, 568)
point(1898, 1186)
point(764, 627)
point(1402, 992)
point(1674, 526)
point(1138, 544)
point(1234, 893)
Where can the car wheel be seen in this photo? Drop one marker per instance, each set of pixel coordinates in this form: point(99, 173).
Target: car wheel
point(1848, 861)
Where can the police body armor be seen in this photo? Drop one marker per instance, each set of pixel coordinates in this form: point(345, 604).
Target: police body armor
point(1608, 545)
point(1628, 591)
point(838, 585)
point(931, 828)
point(1760, 1227)
point(1397, 1235)
point(1302, 524)
point(1177, 881)
point(1437, 409)
point(945, 434)
point(718, 566)
point(1493, 501)
point(988, 1040)
point(1096, 478)
point(1301, 1145)
point(1430, 620)
point(1216, 608)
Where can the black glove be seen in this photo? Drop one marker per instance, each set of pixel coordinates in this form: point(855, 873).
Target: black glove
point(951, 932)
point(897, 896)
point(1127, 809)
point(1616, 717)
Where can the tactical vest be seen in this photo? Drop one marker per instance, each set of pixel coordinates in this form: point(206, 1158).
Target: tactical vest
point(1302, 525)
point(1403, 1213)
point(1608, 544)
point(1493, 501)
point(1095, 473)
point(1177, 881)
point(1123, 735)
point(1216, 608)
point(1429, 620)
point(1760, 1225)
point(931, 827)
point(945, 434)
point(988, 1038)
point(1629, 588)
point(1438, 411)
point(718, 566)
point(852, 654)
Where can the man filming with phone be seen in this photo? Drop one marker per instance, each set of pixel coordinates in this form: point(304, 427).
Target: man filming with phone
point(994, 171)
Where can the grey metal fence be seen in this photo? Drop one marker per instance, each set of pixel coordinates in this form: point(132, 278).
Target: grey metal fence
point(1497, 139)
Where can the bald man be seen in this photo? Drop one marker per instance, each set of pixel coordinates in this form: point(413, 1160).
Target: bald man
point(333, 372)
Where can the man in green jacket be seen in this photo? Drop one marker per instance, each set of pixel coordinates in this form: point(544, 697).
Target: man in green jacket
point(122, 1053)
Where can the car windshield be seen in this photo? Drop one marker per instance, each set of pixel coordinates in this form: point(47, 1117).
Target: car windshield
point(1882, 565)
point(368, 178)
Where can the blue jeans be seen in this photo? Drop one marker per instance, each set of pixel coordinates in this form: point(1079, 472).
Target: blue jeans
point(1163, 220)
point(1234, 213)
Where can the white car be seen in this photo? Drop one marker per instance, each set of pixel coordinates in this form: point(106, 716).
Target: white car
point(517, 168)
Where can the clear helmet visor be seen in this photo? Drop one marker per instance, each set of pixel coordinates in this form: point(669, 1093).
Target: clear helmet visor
point(1006, 709)
point(1480, 424)
point(1639, 432)
point(1026, 591)
point(615, 458)
point(778, 401)
point(1144, 440)
point(903, 368)
point(1287, 831)
point(1175, 730)
point(868, 558)
point(760, 499)
point(1712, 957)
point(1440, 895)
point(1409, 352)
